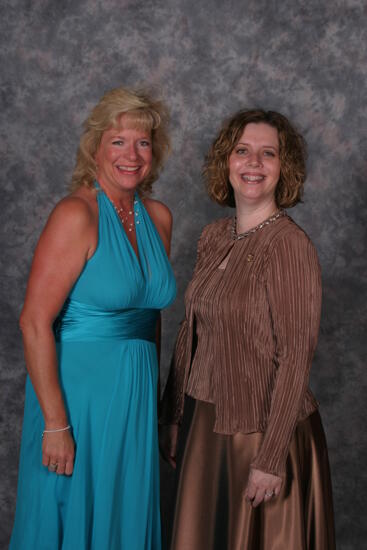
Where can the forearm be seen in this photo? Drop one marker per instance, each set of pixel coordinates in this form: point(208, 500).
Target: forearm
point(173, 396)
point(287, 398)
point(41, 362)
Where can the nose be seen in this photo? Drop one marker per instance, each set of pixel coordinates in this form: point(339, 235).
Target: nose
point(254, 159)
point(131, 152)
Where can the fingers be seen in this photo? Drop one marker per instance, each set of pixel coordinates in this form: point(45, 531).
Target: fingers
point(262, 487)
point(268, 495)
point(172, 451)
point(69, 467)
point(55, 466)
point(58, 453)
point(45, 459)
point(172, 461)
point(258, 496)
point(60, 466)
point(52, 467)
point(255, 495)
point(168, 443)
point(168, 455)
point(250, 491)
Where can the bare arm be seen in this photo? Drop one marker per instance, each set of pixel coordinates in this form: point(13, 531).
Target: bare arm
point(63, 248)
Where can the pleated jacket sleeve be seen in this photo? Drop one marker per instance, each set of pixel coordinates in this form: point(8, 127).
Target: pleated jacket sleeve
point(293, 286)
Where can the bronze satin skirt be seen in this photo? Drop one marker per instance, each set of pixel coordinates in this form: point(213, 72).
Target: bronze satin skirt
point(211, 513)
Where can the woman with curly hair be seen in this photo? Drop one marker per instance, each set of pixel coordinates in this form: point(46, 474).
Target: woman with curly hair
point(88, 475)
point(255, 472)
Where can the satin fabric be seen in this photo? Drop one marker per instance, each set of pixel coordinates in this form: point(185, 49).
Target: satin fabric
point(211, 512)
point(83, 323)
point(108, 373)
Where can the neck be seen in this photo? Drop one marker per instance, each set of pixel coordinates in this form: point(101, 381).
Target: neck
point(125, 202)
point(250, 215)
point(121, 198)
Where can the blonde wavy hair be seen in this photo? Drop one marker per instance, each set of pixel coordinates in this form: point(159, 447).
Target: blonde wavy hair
point(292, 153)
point(143, 111)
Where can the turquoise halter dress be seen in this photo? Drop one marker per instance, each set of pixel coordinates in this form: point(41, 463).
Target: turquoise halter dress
point(105, 339)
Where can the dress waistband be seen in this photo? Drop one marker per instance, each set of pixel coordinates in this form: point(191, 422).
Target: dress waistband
point(82, 322)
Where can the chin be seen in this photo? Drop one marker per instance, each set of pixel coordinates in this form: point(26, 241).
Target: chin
point(129, 186)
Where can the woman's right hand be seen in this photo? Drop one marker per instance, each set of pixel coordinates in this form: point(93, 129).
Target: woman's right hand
point(58, 451)
point(168, 443)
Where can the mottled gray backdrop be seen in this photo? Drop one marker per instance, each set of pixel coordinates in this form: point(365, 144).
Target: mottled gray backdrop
point(306, 59)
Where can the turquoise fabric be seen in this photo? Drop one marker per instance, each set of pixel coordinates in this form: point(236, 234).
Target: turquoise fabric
point(108, 373)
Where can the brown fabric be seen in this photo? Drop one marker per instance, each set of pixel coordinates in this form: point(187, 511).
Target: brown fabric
point(211, 512)
point(256, 324)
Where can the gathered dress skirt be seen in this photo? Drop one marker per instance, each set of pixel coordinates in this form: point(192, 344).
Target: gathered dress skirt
point(108, 372)
point(211, 511)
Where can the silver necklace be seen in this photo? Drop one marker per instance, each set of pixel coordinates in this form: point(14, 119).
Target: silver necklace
point(277, 214)
point(127, 217)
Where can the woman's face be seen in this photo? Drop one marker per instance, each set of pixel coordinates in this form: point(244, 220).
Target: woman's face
point(254, 164)
point(124, 157)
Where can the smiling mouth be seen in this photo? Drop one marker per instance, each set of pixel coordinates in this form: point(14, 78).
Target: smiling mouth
point(252, 179)
point(131, 169)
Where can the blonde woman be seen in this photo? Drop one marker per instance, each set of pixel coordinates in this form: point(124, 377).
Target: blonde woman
point(88, 475)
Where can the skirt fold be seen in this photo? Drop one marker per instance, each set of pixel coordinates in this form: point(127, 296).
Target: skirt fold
point(211, 511)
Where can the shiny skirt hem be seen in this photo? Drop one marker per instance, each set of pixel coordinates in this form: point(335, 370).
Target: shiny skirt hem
point(211, 511)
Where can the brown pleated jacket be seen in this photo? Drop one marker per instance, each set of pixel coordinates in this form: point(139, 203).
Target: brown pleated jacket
point(249, 334)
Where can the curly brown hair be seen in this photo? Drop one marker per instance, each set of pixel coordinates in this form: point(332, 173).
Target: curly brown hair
point(144, 112)
point(292, 154)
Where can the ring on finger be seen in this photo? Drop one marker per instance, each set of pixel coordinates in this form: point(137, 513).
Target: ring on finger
point(53, 467)
point(269, 493)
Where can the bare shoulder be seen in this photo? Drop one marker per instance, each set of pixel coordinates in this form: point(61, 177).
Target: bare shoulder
point(76, 210)
point(157, 209)
point(160, 214)
point(66, 243)
point(73, 221)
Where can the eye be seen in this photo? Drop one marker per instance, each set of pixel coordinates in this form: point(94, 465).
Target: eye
point(144, 143)
point(268, 153)
point(117, 142)
point(241, 151)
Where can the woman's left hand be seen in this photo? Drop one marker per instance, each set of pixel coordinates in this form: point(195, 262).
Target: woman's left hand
point(262, 487)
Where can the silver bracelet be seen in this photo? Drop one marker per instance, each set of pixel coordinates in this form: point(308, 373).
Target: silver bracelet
point(56, 430)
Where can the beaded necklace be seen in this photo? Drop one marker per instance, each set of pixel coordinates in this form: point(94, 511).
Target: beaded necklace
point(127, 217)
point(271, 219)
